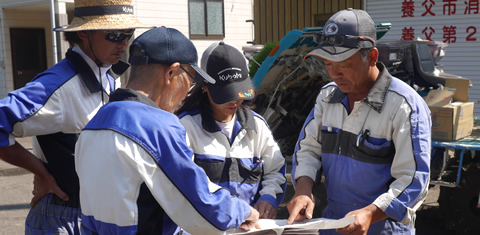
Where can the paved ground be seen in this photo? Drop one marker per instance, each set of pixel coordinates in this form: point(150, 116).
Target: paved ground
point(16, 188)
point(15, 194)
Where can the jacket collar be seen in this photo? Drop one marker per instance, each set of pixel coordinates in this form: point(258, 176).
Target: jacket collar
point(86, 73)
point(127, 94)
point(376, 95)
point(244, 118)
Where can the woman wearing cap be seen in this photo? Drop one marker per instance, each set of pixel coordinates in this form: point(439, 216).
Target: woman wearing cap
point(232, 143)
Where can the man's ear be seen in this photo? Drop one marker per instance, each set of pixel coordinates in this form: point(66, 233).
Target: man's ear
point(82, 35)
point(373, 57)
point(171, 71)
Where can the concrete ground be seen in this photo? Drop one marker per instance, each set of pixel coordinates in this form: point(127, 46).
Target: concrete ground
point(15, 195)
point(16, 187)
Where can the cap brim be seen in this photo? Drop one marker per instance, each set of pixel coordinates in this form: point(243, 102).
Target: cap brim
point(222, 94)
point(333, 53)
point(202, 76)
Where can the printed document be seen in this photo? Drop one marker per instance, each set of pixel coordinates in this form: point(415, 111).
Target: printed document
point(308, 226)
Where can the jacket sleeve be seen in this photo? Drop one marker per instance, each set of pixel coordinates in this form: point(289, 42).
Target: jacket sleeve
point(26, 112)
point(179, 186)
point(308, 150)
point(273, 182)
point(411, 165)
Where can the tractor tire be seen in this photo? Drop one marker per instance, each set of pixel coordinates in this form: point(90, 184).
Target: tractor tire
point(458, 206)
point(287, 144)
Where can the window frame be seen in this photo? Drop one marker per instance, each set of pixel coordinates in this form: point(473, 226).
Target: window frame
point(206, 35)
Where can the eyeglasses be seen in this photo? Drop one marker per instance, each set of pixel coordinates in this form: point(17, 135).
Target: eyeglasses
point(192, 77)
point(343, 40)
point(117, 37)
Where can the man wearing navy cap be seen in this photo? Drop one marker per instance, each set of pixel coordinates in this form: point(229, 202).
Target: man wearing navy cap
point(135, 169)
point(368, 134)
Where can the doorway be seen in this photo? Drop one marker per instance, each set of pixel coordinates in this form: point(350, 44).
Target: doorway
point(28, 54)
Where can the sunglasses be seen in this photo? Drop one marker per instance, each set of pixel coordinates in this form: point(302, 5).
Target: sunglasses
point(343, 40)
point(117, 37)
point(190, 75)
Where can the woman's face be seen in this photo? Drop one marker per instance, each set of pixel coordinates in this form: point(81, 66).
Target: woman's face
point(223, 112)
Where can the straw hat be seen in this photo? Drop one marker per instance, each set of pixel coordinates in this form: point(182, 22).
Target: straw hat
point(102, 15)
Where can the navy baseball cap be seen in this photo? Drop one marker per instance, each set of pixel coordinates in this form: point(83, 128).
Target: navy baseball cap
point(227, 65)
point(162, 45)
point(344, 34)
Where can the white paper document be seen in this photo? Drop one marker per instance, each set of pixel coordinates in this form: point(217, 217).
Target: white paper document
point(308, 226)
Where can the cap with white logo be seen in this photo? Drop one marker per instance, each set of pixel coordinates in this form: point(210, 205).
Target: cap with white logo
point(344, 34)
point(227, 65)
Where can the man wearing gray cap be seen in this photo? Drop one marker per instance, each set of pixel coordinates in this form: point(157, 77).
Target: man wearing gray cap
point(369, 134)
point(135, 168)
point(56, 105)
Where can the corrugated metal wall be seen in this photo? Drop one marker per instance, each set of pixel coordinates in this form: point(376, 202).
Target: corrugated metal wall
point(275, 18)
point(441, 20)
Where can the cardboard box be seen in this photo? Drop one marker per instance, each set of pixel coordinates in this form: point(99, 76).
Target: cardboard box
point(452, 121)
point(461, 85)
point(452, 115)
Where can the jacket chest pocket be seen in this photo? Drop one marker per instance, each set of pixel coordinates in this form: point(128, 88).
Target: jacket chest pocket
point(212, 167)
point(373, 150)
point(250, 169)
point(329, 139)
point(360, 147)
point(246, 170)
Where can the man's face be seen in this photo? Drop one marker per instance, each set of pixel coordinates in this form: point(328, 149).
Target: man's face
point(108, 46)
point(351, 75)
point(182, 84)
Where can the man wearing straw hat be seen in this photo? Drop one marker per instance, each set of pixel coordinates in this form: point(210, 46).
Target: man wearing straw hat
point(56, 105)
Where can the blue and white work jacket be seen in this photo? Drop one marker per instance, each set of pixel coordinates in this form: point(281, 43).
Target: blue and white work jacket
point(249, 163)
point(54, 107)
point(378, 153)
point(137, 175)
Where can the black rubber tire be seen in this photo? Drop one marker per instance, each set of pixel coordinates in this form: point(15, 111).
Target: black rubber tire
point(458, 206)
point(287, 144)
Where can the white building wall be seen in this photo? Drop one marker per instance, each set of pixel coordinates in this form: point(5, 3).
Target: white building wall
point(36, 14)
point(22, 19)
point(462, 56)
point(16, 3)
point(174, 14)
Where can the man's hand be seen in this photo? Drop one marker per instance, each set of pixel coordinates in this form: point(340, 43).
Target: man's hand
point(363, 219)
point(44, 187)
point(43, 181)
point(266, 210)
point(251, 220)
point(302, 204)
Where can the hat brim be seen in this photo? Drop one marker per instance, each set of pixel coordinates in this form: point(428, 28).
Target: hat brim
point(333, 53)
point(202, 76)
point(104, 22)
point(241, 90)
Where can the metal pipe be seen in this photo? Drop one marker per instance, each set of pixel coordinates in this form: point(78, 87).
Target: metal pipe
point(54, 36)
point(460, 166)
point(2, 50)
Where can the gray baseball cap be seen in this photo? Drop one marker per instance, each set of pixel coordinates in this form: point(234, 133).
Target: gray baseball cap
point(344, 34)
